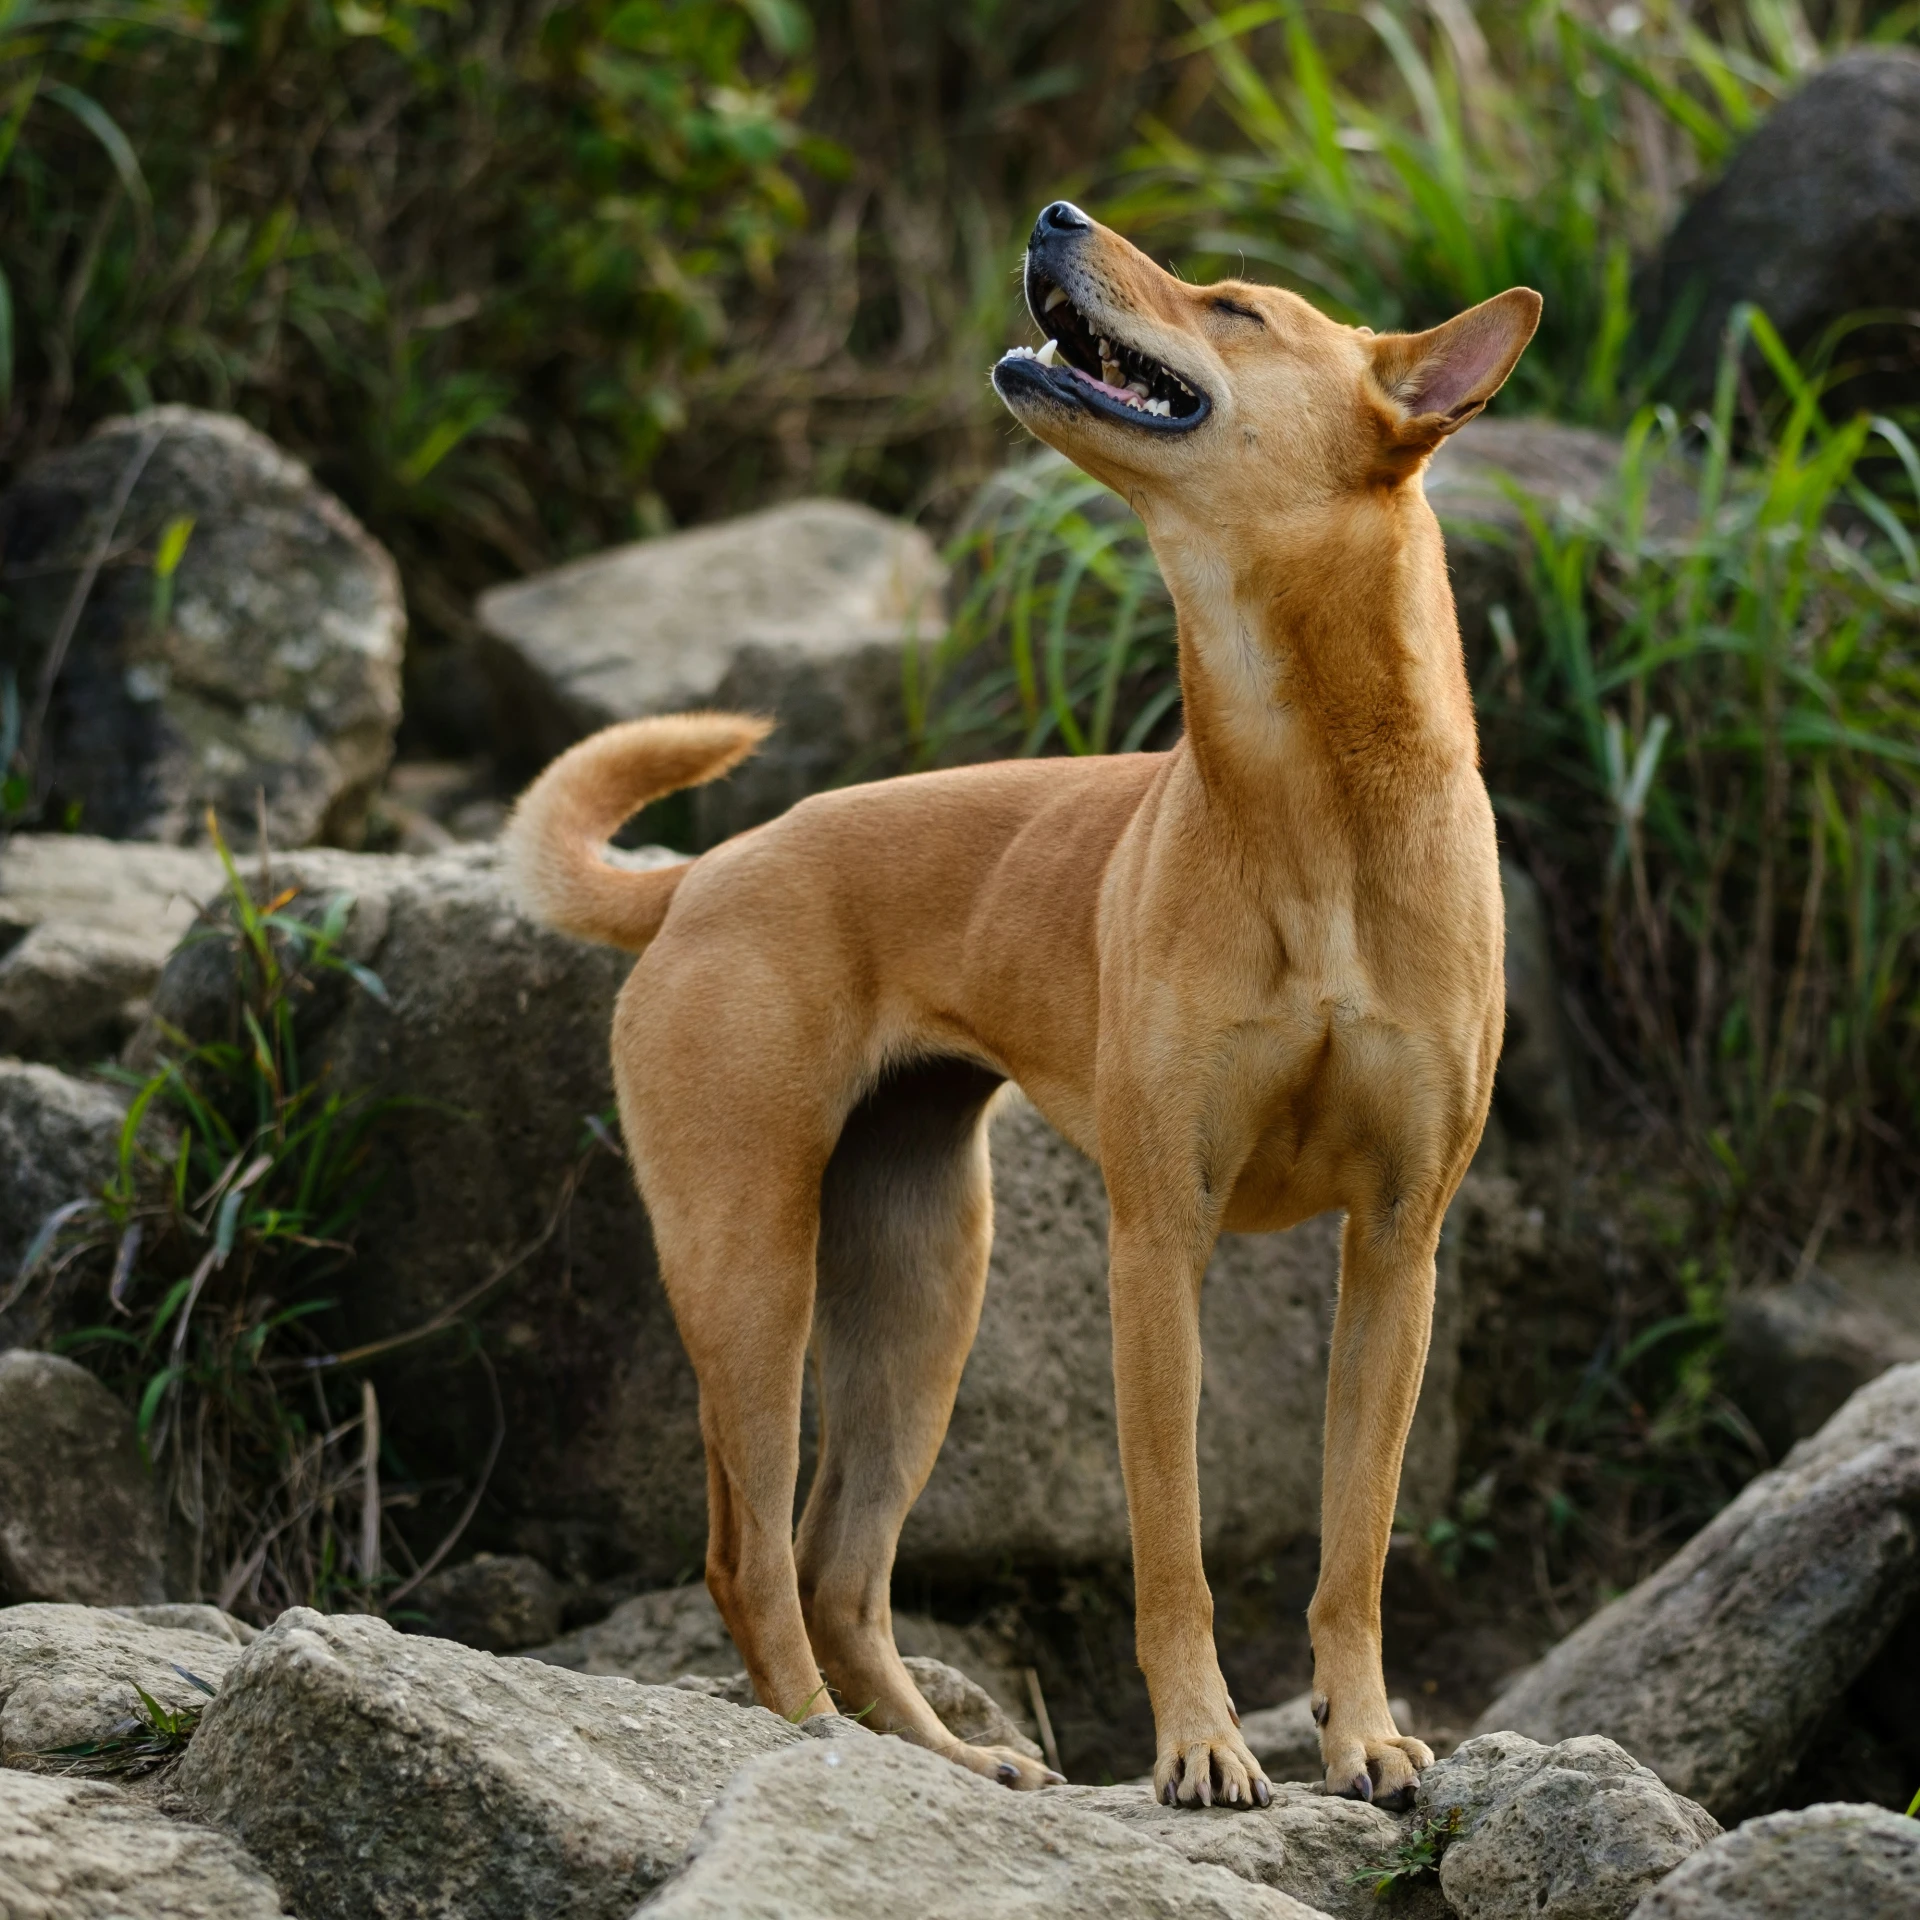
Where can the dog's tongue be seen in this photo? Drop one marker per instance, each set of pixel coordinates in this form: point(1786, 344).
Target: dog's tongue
point(1119, 393)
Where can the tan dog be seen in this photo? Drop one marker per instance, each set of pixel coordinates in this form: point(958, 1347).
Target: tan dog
point(1256, 977)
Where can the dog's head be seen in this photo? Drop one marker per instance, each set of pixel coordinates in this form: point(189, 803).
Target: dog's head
point(1236, 398)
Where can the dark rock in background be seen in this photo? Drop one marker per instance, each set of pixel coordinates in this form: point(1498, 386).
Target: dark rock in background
point(496, 1602)
point(274, 666)
point(1795, 1353)
point(78, 1516)
point(1816, 217)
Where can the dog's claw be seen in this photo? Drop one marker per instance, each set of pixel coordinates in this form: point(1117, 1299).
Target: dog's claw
point(1262, 1792)
point(1007, 1774)
point(1054, 1779)
point(1360, 1787)
point(1169, 1796)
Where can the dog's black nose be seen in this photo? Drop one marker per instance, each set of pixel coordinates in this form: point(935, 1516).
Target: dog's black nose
point(1062, 217)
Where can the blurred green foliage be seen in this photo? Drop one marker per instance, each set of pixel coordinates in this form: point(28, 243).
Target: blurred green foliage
point(466, 257)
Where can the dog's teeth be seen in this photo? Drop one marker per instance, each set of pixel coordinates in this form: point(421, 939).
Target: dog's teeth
point(1054, 299)
point(1047, 351)
point(1164, 408)
point(1021, 353)
point(1106, 347)
point(1110, 372)
point(1138, 388)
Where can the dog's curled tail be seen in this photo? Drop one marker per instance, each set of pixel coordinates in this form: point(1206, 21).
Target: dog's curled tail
point(555, 839)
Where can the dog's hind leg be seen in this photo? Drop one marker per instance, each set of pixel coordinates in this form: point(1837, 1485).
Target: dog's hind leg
point(905, 1225)
point(742, 1293)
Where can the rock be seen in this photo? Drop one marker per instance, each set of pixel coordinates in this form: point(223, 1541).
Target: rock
point(1863, 1862)
point(1816, 217)
point(1307, 1845)
point(677, 1638)
point(497, 1031)
point(275, 667)
point(654, 1638)
point(67, 1675)
point(496, 1602)
point(1795, 1353)
point(1578, 1831)
point(190, 1616)
point(966, 1709)
point(803, 611)
point(380, 1773)
point(1568, 473)
point(78, 1516)
point(85, 927)
point(83, 1850)
point(1286, 1741)
point(1535, 1089)
point(871, 1829)
point(1718, 1668)
point(59, 1142)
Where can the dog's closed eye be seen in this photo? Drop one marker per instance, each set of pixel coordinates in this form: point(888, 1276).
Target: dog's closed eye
point(1244, 313)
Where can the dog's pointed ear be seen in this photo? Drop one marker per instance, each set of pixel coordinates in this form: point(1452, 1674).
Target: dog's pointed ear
point(1435, 382)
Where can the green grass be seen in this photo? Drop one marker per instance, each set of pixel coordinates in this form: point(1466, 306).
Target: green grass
point(1416, 1858)
point(152, 1738)
point(216, 1248)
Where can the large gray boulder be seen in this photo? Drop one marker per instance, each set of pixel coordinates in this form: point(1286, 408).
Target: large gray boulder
point(68, 1674)
point(1862, 1863)
point(79, 1519)
point(1718, 1669)
point(378, 1773)
point(273, 667)
point(1816, 217)
point(59, 1142)
point(869, 1829)
point(1308, 1845)
point(803, 611)
point(1577, 1831)
point(83, 1850)
point(85, 927)
point(1569, 475)
point(1795, 1353)
point(497, 1029)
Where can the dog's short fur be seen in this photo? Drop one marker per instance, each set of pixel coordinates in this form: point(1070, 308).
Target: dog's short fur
point(1255, 977)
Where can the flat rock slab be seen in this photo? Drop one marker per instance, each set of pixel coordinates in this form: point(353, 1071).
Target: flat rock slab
point(1310, 1846)
point(871, 1829)
point(1579, 1831)
point(1862, 1863)
point(67, 1674)
point(85, 927)
point(381, 1775)
point(79, 1519)
point(1716, 1669)
point(803, 611)
point(83, 1850)
point(275, 669)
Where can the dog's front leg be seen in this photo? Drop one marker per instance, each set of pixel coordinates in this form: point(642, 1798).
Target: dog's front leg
point(1158, 1262)
point(1380, 1334)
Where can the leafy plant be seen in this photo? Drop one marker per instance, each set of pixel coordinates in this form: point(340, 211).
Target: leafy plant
point(467, 257)
point(216, 1240)
point(1415, 1857)
point(141, 1743)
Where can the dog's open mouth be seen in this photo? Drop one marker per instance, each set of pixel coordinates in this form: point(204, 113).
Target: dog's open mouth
point(1098, 369)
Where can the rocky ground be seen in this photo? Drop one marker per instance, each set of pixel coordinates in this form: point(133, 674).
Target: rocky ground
point(554, 1720)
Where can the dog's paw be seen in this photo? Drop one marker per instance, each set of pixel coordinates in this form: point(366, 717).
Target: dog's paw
point(1011, 1769)
point(1368, 1762)
point(1215, 1770)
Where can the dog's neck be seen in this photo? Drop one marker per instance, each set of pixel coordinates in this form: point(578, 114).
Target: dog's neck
point(1320, 657)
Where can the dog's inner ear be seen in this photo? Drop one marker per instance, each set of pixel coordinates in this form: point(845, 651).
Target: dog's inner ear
point(1437, 381)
